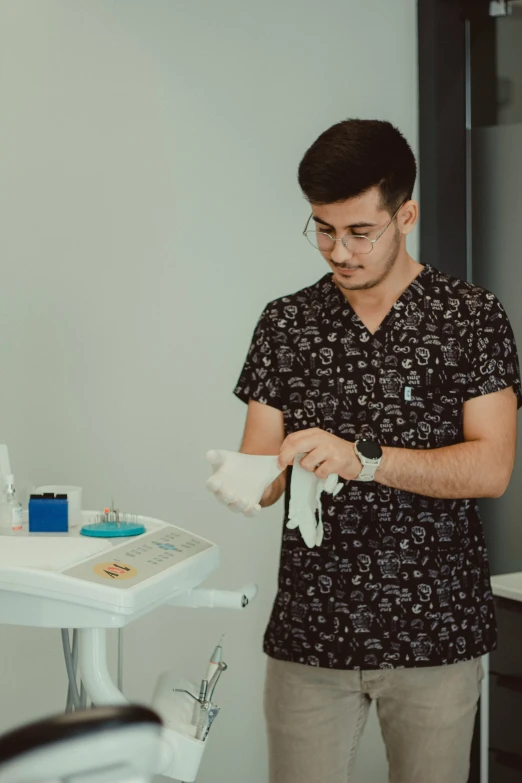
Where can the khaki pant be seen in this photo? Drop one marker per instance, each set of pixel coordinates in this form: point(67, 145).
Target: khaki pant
point(315, 718)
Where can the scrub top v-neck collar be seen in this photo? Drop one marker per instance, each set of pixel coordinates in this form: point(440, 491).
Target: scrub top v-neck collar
point(334, 296)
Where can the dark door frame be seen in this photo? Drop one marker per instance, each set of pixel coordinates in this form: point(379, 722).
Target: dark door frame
point(457, 91)
point(456, 39)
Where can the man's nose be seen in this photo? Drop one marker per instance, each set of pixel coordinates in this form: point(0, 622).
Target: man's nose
point(340, 253)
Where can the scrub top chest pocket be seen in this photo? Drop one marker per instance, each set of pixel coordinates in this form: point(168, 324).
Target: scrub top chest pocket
point(433, 415)
point(426, 371)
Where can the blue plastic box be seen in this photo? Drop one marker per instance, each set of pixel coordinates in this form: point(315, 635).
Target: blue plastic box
point(48, 514)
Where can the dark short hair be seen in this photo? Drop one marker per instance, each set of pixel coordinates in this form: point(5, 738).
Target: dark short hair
point(355, 156)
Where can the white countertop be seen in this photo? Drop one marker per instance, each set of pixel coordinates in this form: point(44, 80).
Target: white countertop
point(508, 586)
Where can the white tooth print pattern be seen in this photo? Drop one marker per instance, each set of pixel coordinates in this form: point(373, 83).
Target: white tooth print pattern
point(399, 579)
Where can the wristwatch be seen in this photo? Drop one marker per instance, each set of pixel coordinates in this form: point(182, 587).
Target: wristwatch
point(370, 455)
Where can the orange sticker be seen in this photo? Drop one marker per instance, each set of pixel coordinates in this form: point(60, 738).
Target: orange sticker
point(115, 570)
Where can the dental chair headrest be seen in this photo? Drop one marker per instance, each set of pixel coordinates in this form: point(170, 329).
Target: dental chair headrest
point(86, 741)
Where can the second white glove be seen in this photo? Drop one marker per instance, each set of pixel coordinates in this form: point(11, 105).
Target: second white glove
point(305, 499)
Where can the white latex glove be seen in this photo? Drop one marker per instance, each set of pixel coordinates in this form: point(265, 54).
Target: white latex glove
point(332, 486)
point(305, 499)
point(239, 480)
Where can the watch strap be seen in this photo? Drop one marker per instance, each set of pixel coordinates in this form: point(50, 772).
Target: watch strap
point(369, 466)
point(368, 471)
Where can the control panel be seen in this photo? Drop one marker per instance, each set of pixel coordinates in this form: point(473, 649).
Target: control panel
point(140, 558)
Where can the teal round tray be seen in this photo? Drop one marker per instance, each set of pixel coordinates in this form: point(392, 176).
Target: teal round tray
point(112, 529)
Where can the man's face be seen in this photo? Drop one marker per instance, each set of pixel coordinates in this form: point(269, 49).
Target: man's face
point(361, 215)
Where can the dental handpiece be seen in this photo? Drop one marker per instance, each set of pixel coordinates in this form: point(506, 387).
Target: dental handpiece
point(203, 691)
point(222, 667)
point(215, 659)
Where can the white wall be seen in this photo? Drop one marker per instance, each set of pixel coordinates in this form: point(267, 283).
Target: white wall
point(148, 211)
point(497, 172)
point(509, 66)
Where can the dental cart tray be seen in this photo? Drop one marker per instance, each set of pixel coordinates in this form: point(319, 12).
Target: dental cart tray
point(71, 581)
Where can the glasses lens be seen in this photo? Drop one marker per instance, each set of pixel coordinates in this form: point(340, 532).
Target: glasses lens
point(358, 245)
point(321, 241)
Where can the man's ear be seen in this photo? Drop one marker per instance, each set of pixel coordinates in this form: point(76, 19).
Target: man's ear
point(408, 217)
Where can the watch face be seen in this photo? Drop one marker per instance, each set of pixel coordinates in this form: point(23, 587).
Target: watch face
point(369, 449)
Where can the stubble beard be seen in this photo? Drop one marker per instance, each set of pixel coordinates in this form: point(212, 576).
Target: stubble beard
point(390, 263)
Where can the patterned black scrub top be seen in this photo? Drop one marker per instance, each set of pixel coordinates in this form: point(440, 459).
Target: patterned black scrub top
point(401, 580)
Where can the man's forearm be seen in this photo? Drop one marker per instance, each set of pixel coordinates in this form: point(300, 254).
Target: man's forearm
point(466, 470)
point(273, 492)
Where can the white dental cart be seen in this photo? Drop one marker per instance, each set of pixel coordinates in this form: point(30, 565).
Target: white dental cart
point(69, 581)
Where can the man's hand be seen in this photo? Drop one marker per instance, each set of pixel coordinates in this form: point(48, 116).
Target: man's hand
point(325, 454)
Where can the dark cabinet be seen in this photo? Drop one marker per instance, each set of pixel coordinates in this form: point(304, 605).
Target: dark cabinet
point(505, 701)
point(505, 711)
point(505, 696)
point(504, 767)
point(507, 658)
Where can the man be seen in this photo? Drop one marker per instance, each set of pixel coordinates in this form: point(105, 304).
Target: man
point(404, 381)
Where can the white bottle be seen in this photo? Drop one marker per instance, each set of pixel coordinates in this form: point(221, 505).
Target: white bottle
point(11, 508)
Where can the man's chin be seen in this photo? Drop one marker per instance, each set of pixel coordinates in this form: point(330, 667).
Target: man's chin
point(358, 286)
point(353, 281)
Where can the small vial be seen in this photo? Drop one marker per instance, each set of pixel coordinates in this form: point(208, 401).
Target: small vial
point(12, 508)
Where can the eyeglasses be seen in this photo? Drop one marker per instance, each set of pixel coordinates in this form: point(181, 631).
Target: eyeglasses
point(355, 243)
